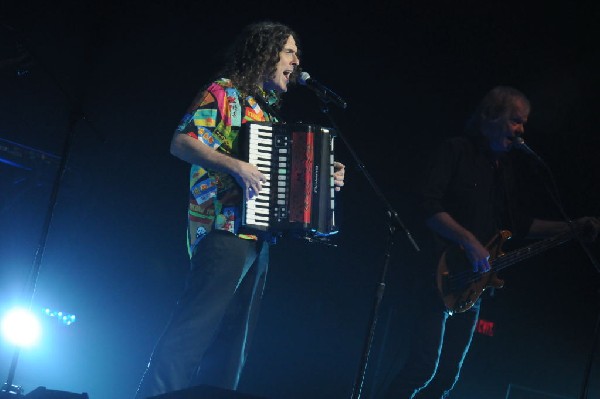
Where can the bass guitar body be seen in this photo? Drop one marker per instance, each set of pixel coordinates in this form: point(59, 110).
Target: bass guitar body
point(458, 285)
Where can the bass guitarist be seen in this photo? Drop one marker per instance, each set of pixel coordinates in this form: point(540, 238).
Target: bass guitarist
point(468, 195)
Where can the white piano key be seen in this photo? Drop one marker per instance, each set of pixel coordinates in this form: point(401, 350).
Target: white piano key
point(261, 212)
point(257, 219)
point(259, 147)
point(257, 223)
point(264, 135)
point(260, 155)
point(258, 202)
point(261, 128)
point(261, 141)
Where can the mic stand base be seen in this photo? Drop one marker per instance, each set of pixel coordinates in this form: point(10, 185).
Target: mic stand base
point(11, 391)
point(358, 383)
point(590, 362)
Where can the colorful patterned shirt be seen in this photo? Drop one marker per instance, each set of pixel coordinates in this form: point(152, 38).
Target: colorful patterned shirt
point(215, 118)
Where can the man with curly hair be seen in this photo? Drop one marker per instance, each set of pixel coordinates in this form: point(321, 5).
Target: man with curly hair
point(207, 338)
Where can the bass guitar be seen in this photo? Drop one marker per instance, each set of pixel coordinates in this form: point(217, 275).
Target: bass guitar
point(460, 287)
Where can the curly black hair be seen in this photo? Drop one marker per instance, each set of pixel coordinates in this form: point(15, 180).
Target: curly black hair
point(252, 59)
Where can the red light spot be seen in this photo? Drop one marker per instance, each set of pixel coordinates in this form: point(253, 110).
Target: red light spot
point(485, 327)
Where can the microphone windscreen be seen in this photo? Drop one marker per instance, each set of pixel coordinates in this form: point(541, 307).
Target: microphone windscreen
point(518, 141)
point(303, 77)
point(520, 145)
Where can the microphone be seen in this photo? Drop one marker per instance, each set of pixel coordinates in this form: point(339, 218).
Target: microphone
point(520, 145)
point(323, 92)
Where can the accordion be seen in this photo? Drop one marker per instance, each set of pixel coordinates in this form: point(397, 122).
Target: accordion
point(297, 160)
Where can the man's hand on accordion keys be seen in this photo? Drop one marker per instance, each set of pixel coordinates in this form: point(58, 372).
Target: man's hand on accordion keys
point(250, 179)
point(338, 175)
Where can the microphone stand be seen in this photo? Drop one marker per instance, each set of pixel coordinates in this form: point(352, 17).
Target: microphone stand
point(76, 114)
point(585, 384)
point(394, 223)
point(553, 191)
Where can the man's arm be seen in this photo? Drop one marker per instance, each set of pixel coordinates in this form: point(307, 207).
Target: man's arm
point(195, 152)
point(445, 225)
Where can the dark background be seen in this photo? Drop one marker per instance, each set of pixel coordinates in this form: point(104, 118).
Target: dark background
point(115, 254)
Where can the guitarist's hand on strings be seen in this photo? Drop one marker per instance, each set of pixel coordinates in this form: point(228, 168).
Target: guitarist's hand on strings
point(478, 255)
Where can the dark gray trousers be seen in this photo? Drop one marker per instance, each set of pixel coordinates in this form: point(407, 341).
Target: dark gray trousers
point(207, 337)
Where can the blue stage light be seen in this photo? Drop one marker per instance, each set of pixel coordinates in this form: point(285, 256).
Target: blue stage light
point(21, 328)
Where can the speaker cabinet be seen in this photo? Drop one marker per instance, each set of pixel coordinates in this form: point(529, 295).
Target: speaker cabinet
point(43, 393)
point(205, 392)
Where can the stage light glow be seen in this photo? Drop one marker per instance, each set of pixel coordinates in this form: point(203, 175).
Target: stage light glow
point(64, 318)
point(21, 328)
